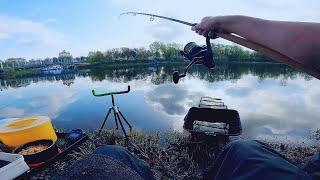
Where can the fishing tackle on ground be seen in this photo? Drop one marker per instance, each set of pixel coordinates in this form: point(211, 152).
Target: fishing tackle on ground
point(193, 52)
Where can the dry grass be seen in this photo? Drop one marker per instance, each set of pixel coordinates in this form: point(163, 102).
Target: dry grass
point(170, 156)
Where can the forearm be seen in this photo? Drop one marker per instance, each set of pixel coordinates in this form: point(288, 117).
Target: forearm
point(297, 40)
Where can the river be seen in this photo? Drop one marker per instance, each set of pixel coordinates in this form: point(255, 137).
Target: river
point(274, 101)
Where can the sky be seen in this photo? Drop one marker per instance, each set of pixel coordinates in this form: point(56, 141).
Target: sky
point(42, 28)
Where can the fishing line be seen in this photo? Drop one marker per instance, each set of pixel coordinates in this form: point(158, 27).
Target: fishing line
point(193, 52)
point(152, 17)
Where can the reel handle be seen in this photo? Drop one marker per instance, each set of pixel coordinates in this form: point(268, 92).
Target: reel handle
point(176, 76)
point(209, 48)
point(208, 62)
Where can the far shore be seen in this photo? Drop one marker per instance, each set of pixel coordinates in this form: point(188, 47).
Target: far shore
point(20, 73)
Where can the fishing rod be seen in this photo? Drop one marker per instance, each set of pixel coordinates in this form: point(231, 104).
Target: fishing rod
point(193, 52)
point(202, 55)
point(158, 16)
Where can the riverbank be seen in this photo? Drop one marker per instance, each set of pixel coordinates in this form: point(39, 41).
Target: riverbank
point(170, 156)
point(128, 63)
point(25, 73)
point(19, 73)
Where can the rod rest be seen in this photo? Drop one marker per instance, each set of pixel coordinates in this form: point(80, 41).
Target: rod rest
point(110, 93)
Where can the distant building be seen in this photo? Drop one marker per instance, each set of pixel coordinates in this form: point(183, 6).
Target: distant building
point(1, 64)
point(92, 53)
point(65, 57)
point(65, 53)
point(48, 61)
point(19, 61)
point(16, 62)
point(36, 62)
point(79, 59)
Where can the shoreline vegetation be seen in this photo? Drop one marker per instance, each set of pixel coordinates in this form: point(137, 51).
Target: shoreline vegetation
point(159, 74)
point(160, 51)
point(157, 53)
point(170, 155)
point(32, 72)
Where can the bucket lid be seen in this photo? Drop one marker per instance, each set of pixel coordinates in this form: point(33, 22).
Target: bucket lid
point(6, 120)
point(23, 123)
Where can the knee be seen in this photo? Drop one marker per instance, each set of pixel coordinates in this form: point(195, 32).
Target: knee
point(243, 144)
point(110, 149)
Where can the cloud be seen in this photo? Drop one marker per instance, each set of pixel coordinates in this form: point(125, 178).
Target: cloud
point(11, 112)
point(50, 20)
point(266, 107)
point(4, 35)
point(239, 91)
point(28, 42)
point(51, 105)
point(27, 32)
point(168, 99)
point(164, 30)
point(193, 10)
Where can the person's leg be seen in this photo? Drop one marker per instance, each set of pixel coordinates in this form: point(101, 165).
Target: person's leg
point(253, 160)
point(123, 155)
point(313, 165)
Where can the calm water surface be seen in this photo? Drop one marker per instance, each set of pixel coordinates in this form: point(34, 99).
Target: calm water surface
point(273, 100)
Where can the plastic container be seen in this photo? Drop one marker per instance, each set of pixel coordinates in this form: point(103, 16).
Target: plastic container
point(21, 131)
point(39, 157)
point(7, 120)
point(15, 168)
point(211, 128)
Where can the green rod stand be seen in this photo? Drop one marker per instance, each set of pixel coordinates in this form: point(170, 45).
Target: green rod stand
point(118, 116)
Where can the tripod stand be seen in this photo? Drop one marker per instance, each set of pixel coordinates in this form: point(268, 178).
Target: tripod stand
point(118, 116)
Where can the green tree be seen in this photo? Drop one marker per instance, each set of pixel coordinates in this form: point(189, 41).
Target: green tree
point(116, 53)
point(142, 53)
point(96, 57)
point(171, 51)
point(125, 53)
point(108, 55)
point(156, 48)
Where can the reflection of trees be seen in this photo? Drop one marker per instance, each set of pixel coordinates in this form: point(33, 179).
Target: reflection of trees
point(23, 82)
point(163, 74)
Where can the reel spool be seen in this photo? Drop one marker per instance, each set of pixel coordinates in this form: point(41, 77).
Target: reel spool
point(197, 55)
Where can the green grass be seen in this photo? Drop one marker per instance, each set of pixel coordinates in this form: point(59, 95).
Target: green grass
point(17, 73)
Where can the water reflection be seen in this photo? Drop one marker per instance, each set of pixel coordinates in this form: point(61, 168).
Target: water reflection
point(273, 100)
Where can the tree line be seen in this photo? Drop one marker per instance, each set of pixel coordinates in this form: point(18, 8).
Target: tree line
point(171, 52)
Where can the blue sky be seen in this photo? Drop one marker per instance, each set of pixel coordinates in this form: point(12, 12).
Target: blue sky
point(40, 28)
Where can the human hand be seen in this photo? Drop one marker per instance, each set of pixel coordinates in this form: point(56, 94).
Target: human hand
point(209, 26)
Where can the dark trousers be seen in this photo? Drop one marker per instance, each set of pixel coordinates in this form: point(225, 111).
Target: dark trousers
point(121, 154)
point(256, 160)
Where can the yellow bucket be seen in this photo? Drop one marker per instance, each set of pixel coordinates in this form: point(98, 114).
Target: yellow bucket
point(18, 132)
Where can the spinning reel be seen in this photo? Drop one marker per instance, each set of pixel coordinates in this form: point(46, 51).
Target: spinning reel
point(193, 52)
point(197, 55)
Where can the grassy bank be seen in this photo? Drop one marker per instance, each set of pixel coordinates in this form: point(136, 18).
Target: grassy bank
point(18, 73)
point(126, 63)
point(170, 156)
